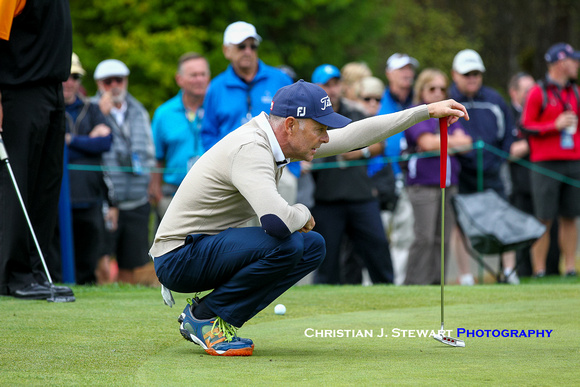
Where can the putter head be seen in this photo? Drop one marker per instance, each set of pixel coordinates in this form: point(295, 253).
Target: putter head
point(449, 340)
point(61, 299)
point(54, 298)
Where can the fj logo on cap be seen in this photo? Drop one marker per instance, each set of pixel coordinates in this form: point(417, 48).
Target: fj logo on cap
point(301, 111)
point(325, 103)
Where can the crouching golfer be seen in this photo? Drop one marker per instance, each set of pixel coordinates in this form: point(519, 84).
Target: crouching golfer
point(202, 244)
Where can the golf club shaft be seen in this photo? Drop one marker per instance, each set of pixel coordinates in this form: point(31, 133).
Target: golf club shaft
point(443, 183)
point(442, 253)
point(4, 157)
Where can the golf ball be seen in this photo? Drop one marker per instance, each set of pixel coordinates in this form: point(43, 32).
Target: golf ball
point(280, 309)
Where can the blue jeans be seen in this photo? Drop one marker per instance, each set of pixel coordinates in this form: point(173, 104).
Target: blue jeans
point(246, 268)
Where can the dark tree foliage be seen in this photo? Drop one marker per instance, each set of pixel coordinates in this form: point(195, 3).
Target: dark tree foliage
point(150, 35)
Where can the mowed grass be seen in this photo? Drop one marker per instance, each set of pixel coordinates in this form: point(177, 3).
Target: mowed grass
point(124, 335)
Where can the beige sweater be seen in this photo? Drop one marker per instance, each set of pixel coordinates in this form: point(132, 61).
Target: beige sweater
point(236, 179)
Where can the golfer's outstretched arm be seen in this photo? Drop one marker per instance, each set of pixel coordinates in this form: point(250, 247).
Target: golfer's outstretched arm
point(371, 130)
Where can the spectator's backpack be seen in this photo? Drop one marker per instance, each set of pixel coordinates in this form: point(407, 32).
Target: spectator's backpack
point(544, 89)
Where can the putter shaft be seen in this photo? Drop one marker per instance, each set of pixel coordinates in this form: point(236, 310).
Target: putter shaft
point(442, 184)
point(442, 254)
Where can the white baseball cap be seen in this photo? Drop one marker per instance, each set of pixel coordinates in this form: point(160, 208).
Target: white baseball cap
point(239, 31)
point(397, 61)
point(371, 86)
point(466, 61)
point(111, 68)
point(76, 67)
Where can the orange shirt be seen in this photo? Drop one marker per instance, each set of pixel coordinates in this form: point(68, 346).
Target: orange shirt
point(9, 9)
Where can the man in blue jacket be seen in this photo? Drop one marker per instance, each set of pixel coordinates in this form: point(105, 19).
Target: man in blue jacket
point(244, 90)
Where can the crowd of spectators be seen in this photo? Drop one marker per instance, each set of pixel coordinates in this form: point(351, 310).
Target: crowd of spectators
point(380, 220)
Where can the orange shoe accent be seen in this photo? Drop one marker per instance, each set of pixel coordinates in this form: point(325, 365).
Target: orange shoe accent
point(232, 352)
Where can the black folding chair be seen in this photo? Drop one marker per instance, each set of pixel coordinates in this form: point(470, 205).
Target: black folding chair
point(493, 226)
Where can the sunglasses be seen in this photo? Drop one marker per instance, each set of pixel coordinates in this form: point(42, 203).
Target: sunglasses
point(472, 74)
point(369, 99)
point(432, 89)
point(76, 77)
point(243, 46)
point(109, 81)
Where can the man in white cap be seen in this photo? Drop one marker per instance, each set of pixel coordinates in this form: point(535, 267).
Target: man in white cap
point(492, 122)
point(134, 152)
point(244, 90)
point(398, 214)
point(400, 73)
point(203, 243)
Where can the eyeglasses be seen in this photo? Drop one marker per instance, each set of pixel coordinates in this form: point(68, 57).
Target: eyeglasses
point(76, 77)
point(109, 81)
point(433, 89)
point(243, 46)
point(472, 74)
point(368, 99)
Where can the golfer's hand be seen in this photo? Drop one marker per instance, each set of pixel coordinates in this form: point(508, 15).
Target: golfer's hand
point(448, 108)
point(309, 225)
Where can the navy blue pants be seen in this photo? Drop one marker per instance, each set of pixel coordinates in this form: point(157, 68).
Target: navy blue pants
point(246, 268)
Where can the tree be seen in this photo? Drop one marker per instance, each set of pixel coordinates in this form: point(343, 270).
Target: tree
point(149, 36)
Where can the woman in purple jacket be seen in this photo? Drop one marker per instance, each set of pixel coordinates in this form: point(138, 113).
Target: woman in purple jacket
point(424, 264)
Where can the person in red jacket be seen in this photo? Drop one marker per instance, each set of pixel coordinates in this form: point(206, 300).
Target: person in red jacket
point(551, 116)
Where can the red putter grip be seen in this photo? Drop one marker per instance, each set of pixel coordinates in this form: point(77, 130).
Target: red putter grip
point(443, 150)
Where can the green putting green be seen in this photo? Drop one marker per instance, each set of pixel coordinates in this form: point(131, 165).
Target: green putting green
point(330, 335)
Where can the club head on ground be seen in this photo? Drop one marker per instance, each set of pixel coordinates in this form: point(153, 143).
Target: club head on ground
point(61, 299)
point(449, 340)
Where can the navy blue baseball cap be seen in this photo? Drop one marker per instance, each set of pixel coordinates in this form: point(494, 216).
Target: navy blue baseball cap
point(306, 100)
point(561, 51)
point(325, 73)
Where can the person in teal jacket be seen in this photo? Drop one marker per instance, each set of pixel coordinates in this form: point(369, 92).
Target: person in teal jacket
point(176, 129)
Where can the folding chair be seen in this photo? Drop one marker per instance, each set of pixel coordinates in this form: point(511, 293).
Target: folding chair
point(493, 226)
